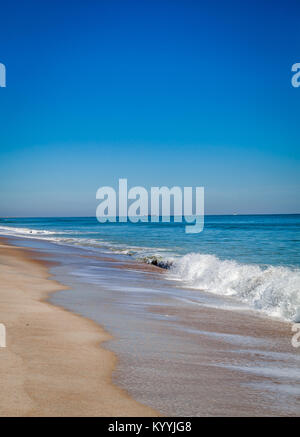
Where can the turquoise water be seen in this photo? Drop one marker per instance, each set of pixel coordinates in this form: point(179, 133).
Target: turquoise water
point(254, 258)
point(259, 239)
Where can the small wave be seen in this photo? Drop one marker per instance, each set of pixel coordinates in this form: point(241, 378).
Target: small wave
point(125, 251)
point(271, 289)
point(24, 231)
point(76, 238)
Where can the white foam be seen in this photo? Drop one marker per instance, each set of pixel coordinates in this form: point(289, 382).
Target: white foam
point(7, 230)
point(273, 290)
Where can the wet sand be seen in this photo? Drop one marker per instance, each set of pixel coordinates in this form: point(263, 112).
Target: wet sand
point(53, 364)
point(182, 351)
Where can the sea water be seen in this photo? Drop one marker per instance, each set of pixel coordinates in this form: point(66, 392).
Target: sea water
point(253, 258)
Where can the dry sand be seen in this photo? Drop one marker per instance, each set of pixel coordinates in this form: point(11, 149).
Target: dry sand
point(53, 364)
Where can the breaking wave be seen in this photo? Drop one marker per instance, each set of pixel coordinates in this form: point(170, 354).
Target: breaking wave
point(275, 290)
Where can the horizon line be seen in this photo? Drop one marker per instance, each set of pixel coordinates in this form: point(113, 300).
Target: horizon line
point(160, 216)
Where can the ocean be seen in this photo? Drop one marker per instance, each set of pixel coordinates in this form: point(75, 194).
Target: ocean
point(254, 259)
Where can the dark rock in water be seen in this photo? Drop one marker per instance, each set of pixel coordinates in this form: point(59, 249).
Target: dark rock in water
point(159, 262)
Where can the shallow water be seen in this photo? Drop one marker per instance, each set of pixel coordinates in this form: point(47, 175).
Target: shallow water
point(248, 239)
point(254, 258)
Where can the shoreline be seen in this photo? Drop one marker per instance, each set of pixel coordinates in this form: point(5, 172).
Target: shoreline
point(53, 364)
point(178, 358)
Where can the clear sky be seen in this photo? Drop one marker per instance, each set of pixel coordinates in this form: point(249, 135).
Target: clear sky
point(159, 92)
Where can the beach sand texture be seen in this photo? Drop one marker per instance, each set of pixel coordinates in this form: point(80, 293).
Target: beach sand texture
point(53, 364)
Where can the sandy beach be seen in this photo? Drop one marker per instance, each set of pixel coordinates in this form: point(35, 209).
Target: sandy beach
point(53, 364)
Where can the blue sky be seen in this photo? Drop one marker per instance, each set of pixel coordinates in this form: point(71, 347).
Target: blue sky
point(159, 92)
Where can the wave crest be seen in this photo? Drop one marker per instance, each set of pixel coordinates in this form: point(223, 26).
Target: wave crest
point(273, 290)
